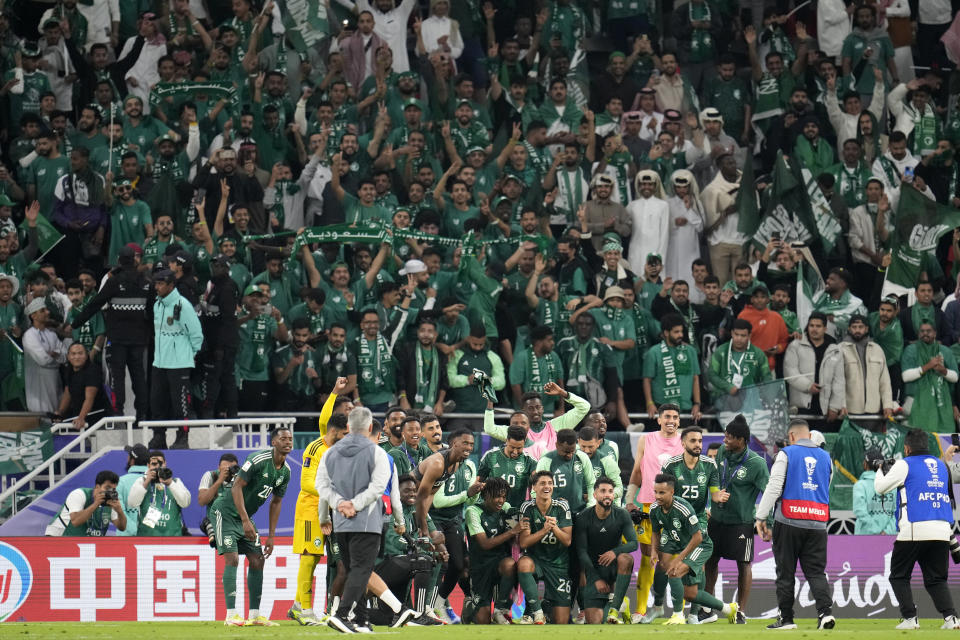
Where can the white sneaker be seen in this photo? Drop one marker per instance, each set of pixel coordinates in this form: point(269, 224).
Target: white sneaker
point(527, 619)
point(908, 623)
point(636, 618)
point(432, 613)
point(692, 618)
point(539, 618)
point(440, 613)
point(501, 616)
point(950, 622)
point(652, 614)
point(581, 618)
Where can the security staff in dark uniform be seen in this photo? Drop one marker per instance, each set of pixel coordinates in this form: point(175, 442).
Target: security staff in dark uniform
point(798, 494)
point(218, 317)
point(126, 293)
point(924, 524)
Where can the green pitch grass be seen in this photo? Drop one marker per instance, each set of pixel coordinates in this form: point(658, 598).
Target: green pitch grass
point(879, 629)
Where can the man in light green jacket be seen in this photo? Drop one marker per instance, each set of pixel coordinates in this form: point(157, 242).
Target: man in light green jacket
point(177, 339)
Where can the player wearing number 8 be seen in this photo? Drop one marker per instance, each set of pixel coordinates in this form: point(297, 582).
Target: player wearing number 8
point(263, 473)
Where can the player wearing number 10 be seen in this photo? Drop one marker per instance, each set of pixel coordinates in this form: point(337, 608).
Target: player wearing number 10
point(262, 473)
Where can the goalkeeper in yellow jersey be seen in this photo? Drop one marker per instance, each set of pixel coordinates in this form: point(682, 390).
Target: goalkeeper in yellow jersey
point(307, 537)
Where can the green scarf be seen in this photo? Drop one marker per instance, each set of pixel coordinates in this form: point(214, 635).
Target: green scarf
point(819, 157)
point(367, 359)
point(571, 190)
point(924, 134)
point(671, 385)
point(918, 314)
point(426, 395)
point(536, 377)
point(932, 407)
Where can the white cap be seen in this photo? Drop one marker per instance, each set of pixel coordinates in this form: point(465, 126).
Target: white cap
point(413, 266)
point(817, 438)
point(13, 281)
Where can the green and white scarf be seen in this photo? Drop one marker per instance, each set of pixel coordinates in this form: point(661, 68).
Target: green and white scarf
point(932, 406)
point(569, 193)
point(671, 384)
point(924, 134)
point(701, 42)
point(426, 395)
point(366, 358)
point(537, 381)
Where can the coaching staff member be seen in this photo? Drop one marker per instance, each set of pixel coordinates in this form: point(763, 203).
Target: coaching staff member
point(351, 479)
point(924, 522)
point(798, 494)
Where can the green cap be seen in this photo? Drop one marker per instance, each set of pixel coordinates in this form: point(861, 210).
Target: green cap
point(460, 103)
point(165, 138)
point(497, 201)
point(5, 201)
point(413, 102)
point(122, 182)
point(611, 245)
point(413, 75)
point(252, 290)
point(476, 148)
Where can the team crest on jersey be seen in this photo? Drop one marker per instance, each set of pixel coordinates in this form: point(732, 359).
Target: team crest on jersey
point(277, 483)
point(741, 474)
point(676, 523)
point(577, 467)
point(317, 542)
point(682, 357)
point(518, 466)
point(367, 375)
point(701, 478)
point(228, 541)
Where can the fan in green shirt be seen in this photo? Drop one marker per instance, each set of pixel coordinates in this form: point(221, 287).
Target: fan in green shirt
point(534, 366)
point(284, 284)
point(671, 370)
point(681, 546)
point(605, 540)
point(738, 363)
point(91, 333)
point(258, 333)
point(886, 331)
point(30, 89)
point(41, 176)
point(130, 219)
point(590, 365)
point(492, 569)
point(376, 365)
point(409, 454)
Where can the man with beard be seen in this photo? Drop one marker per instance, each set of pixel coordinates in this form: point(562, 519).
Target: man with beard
point(891, 166)
point(651, 219)
point(852, 174)
point(868, 47)
point(560, 115)
point(779, 302)
point(728, 93)
point(169, 162)
point(242, 189)
point(922, 309)
point(697, 477)
point(885, 329)
point(614, 82)
point(295, 370)
point(101, 158)
point(467, 131)
point(130, 220)
point(674, 297)
point(928, 370)
point(865, 372)
point(651, 448)
point(738, 363)
point(342, 294)
point(156, 247)
point(334, 360)
point(141, 130)
point(543, 297)
point(41, 175)
point(811, 150)
point(535, 365)
point(590, 365)
point(375, 363)
point(218, 318)
point(813, 368)
point(465, 387)
point(422, 371)
point(360, 208)
point(79, 211)
point(846, 122)
point(88, 129)
point(671, 370)
point(722, 218)
point(837, 302)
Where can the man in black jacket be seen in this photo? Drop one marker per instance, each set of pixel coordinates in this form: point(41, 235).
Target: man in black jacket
point(126, 293)
point(422, 371)
point(218, 317)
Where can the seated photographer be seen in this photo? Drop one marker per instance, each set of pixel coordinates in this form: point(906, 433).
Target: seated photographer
point(212, 485)
point(89, 512)
point(403, 559)
point(160, 498)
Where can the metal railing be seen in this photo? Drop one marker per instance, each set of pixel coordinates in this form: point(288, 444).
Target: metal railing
point(245, 429)
point(49, 467)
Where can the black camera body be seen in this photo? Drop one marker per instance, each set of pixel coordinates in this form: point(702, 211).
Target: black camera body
point(233, 471)
point(163, 473)
point(882, 464)
point(639, 515)
point(110, 494)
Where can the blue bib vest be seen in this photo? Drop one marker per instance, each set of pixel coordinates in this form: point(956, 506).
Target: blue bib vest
point(806, 491)
point(928, 496)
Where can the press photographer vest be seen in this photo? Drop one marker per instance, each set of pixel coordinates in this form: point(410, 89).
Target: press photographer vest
point(806, 490)
point(927, 493)
point(98, 523)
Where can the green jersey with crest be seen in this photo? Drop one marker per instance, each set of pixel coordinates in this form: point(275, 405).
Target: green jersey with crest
point(262, 477)
point(572, 479)
point(449, 500)
point(676, 526)
point(491, 524)
point(516, 471)
point(549, 550)
point(694, 485)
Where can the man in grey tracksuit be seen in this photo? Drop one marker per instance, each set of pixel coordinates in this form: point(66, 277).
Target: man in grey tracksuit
point(351, 479)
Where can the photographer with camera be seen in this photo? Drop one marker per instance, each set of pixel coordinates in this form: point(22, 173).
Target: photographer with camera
point(89, 512)
point(213, 484)
point(925, 521)
point(160, 498)
point(295, 371)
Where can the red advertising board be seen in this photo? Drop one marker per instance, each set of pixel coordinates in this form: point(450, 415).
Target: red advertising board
point(127, 579)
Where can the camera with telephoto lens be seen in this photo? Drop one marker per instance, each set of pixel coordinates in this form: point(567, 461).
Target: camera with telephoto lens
point(207, 527)
point(420, 553)
point(878, 462)
point(110, 494)
point(639, 515)
point(163, 473)
point(233, 472)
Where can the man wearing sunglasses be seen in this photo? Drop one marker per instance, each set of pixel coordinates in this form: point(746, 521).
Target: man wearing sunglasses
point(130, 219)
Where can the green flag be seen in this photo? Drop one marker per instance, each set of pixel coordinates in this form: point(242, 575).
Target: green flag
point(748, 207)
point(919, 224)
point(47, 235)
point(305, 22)
point(809, 286)
point(796, 209)
point(12, 395)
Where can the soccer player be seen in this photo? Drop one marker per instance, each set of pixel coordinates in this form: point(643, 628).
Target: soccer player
point(263, 473)
point(652, 448)
point(435, 470)
point(308, 539)
point(572, 470)
point(681, 544)
point(541, 436)
point(605, 538)
point(396, 567)
point(604, 466)
point(696, 475)
point(493, 572)
point(511, 464)
point(598, 422)
point(411, 450)
point(546, 534)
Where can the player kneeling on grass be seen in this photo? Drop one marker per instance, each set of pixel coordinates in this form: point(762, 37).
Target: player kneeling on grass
point(545, 535)
point(493, 573)
point(680, 544)
point(605, 538)
point(402, 559)
point(263, 473)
